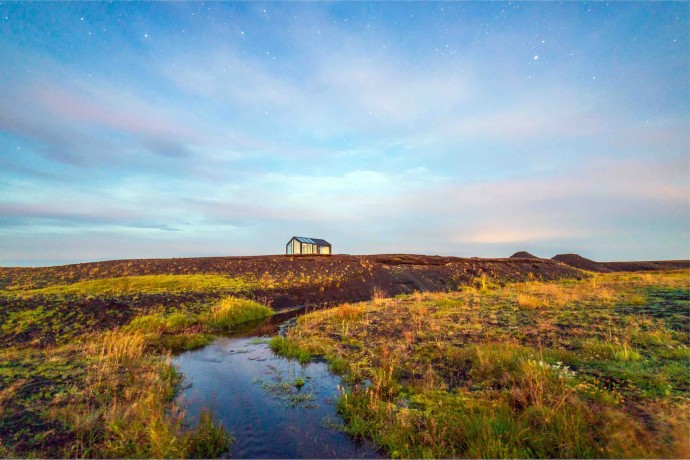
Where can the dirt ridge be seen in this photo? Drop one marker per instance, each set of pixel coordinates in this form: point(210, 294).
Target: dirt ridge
point(577, 261)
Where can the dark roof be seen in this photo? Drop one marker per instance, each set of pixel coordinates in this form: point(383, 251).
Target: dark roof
point(304, 239)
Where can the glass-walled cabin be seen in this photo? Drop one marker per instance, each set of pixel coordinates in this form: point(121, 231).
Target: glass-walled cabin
point(303, 245)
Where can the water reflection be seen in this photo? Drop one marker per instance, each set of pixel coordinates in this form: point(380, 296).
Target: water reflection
point(275, 408)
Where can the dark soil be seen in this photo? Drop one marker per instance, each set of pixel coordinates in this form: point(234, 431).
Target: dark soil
point(577, 261)
point(642, 266)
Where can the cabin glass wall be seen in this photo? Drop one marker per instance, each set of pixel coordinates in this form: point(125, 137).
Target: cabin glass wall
point(324, 250)
point(296, 247)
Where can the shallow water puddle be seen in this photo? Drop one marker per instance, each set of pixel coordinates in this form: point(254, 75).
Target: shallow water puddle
point(274, 408)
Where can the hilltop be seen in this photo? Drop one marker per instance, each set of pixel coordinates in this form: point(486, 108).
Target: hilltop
point(577, 261)
point(285, 281)
point(524, 255)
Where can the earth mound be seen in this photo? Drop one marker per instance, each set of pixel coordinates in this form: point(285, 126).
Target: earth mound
point(523, 255)
point(577, 261)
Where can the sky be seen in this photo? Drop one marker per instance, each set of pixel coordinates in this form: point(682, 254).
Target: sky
point(153, 129)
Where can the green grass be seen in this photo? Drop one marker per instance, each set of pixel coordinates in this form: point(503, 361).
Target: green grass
point(159, 323)
point(176, 343)
point(293, 391)
point(149, 284)
point(23, 320)
point(289, 349)
point(591, 368)
point(184, 331)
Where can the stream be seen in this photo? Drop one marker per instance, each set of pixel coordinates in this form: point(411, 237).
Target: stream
point(272, 406)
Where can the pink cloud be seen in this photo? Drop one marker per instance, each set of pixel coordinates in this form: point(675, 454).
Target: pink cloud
point(106, 108)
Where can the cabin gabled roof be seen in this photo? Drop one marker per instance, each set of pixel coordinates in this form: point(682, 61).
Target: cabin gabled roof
point(304, 239)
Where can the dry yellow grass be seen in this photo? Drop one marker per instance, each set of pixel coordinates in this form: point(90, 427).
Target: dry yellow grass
point(117, 347)
point(535, 294)
point(124, 408)
point(348, 311)
point(528, 301)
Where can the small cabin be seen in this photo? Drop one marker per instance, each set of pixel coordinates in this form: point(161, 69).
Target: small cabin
point(303, 245)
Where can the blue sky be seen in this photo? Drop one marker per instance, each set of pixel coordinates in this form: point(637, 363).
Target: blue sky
point(152, 129)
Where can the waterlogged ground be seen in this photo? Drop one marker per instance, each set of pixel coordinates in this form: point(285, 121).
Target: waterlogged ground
point(274, 407)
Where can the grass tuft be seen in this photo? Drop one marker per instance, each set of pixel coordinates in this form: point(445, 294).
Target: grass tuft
point(288, 348)
point(232, 311)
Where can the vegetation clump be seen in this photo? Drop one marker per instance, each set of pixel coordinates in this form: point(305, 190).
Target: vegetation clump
point(180, 331)
point(289, 349)
point(594, 368)
point(232, 311)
